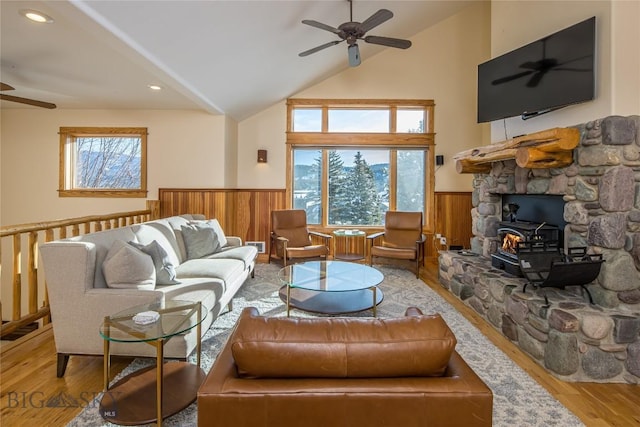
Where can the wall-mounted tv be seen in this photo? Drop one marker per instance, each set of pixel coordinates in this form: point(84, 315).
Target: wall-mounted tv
point(550, 73)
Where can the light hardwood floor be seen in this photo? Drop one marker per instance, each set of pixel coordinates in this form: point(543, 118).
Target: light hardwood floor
point(28, 380)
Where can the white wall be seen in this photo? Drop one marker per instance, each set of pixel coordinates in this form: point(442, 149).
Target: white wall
point(441, 65)
point(263, 131)
point(519, 22)
point(185, 149)
point(231, 153)
point(625, 54)
point(195, 149)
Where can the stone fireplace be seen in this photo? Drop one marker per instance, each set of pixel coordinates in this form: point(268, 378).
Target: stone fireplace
point(600, 210)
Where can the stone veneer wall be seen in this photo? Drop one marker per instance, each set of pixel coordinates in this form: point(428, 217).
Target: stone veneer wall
point(570, 338)
point(601, 189)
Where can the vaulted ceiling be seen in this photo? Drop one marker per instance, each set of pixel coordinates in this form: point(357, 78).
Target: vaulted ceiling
point(224, 57)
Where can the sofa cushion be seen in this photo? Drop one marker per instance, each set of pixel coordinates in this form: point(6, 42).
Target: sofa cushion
point(165, 270)
point(102, 242)
point(246, 254)
point(200, 240)
point(222, 239)
point(272, 347)
point(161, 232)
point(128, 267)
point(223, 269)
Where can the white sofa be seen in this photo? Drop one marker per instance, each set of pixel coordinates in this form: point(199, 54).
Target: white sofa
point(80, 297)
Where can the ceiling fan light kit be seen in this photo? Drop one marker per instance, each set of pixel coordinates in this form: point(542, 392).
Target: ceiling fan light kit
point(353, 31)
point(354, 55)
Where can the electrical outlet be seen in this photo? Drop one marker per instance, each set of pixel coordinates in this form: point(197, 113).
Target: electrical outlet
point(438, 235)
point(443, 241)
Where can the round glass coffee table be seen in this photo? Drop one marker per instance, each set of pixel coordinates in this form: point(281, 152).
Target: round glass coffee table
point(156, 392)
point(330, 287)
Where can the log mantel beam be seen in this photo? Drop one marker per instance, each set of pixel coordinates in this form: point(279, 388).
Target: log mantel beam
point(549, 148)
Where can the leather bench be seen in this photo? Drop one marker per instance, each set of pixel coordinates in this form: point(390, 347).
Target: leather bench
point(342, 372)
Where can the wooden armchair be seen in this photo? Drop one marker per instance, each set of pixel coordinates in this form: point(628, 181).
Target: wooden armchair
point(291, 239)
point(402, 238)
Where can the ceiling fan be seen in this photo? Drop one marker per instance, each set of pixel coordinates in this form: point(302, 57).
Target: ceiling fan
point(352, 31)
point(4, 87)
point(538, 69)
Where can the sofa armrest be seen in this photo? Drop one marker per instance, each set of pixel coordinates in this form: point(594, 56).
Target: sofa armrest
point(234, 241)
point(121, 298)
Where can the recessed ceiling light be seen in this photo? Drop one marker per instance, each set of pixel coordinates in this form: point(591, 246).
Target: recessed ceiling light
point(36, 16)
point(154, 87)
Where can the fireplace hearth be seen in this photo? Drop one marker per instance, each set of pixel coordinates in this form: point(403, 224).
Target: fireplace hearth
point(600, 196)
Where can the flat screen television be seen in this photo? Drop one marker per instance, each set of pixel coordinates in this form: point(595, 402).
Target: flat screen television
point(550, 73)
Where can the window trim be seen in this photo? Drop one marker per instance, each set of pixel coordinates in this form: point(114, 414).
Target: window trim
point(347, 140)
point(67, 133)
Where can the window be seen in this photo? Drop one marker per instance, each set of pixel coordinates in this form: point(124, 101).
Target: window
point(103, 162)
point(350, 161)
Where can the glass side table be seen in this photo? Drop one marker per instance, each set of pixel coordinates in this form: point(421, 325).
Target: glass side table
point(349, 245)
point(156, 392)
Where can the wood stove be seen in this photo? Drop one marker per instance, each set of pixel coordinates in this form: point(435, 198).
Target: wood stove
point(511, 233)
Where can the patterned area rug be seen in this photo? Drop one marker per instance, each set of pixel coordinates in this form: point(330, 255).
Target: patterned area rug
point(517, 399)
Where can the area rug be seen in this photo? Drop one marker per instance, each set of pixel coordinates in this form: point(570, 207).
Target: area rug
point(518, 400)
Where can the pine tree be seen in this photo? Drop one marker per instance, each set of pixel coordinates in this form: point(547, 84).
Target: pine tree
point(337, 183)
point(313, 200)
point(362, 201)
point(410, 182)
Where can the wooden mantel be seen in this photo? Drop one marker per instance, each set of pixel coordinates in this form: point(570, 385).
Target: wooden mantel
point(551, 148)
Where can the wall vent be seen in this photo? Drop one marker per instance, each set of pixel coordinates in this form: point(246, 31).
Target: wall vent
point(259, 245)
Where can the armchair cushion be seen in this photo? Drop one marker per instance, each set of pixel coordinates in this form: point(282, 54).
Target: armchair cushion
point(127, 267)
point(292, 225)
point(391, 252)
point(402, 229)
point(273, 347)
point(307, 251)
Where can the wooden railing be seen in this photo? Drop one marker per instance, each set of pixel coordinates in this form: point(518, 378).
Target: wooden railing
point(16, 237)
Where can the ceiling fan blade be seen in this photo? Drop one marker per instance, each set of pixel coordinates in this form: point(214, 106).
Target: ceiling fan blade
point(4, 86)
point(317, 48)
point(535, 79)
point(322, 26)
point(530, 65)
point(376, 19)
point(388, 41)
point(571, 69)
point(511, 77)
point(27, 101)
point(354, 55)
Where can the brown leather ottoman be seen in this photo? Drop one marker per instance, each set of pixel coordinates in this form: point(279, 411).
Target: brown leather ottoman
point(342, 372)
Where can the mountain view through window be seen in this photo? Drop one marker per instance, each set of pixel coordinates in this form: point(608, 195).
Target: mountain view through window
point(352, 160)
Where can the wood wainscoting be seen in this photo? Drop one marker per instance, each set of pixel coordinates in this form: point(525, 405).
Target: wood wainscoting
point(246, 213)
point(453, 219)
point(242, 213)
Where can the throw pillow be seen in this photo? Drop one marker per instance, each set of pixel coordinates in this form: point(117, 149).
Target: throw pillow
point(200, 240)
point(165, 270)
point(126, 267)
point(222, 239)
